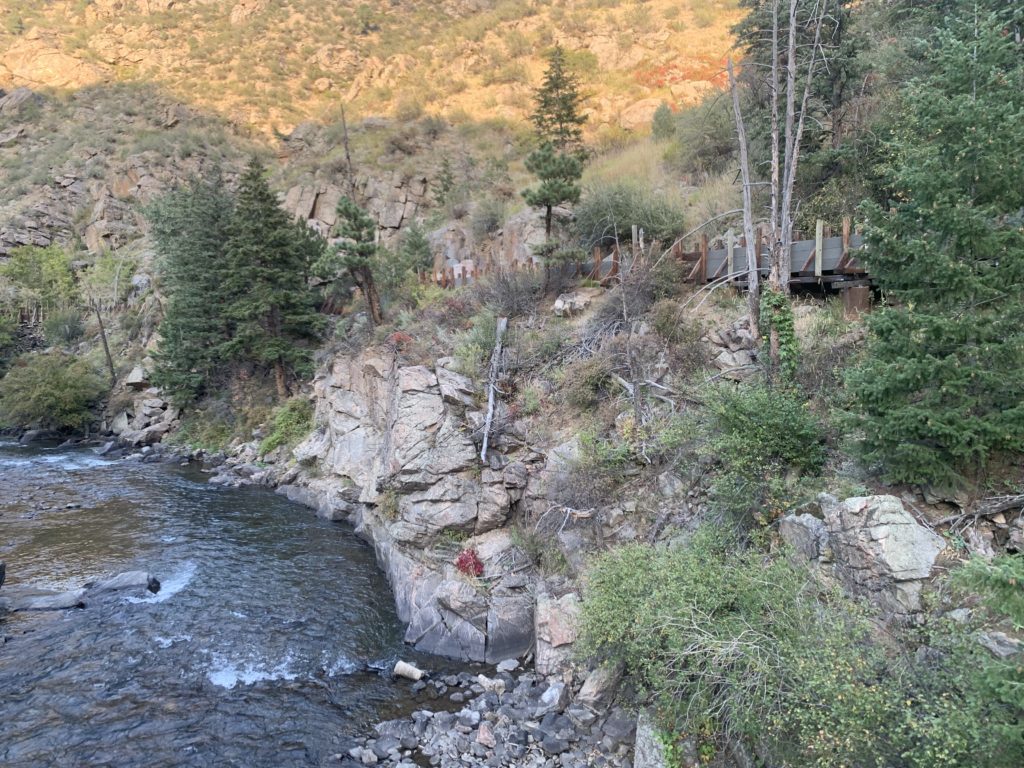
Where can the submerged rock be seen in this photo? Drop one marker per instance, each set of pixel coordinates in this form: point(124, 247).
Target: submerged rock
point(126, 580)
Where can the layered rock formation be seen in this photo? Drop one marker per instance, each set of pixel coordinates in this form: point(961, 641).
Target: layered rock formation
point(394, 454)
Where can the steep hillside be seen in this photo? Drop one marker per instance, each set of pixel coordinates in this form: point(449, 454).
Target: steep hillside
point(274, 64)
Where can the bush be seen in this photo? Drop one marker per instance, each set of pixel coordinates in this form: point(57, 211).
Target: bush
point(760, 435)
point(509, 294)
point(585, 382)
point(487, 218)
point(684, 333)
point(705, 138)
point(608, 212)
point(738, 646)
point(474, 347)
point(50, 392)
point(63, 328)
point(663, 124)
point(8, 335)
point(40, 277)
point(292, 421)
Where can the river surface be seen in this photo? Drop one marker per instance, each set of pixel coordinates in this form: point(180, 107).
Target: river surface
point(252, 653)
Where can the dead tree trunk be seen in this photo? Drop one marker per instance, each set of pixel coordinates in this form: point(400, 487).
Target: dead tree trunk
point(103, 337)
point(753, 249)
point(492, 384)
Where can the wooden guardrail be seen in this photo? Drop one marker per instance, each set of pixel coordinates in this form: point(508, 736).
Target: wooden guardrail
point(826, 259)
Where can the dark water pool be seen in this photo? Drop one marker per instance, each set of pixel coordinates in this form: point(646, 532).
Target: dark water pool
point(252, 654)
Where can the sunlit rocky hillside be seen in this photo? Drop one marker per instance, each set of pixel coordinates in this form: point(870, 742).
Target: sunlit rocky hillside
point(274, 63)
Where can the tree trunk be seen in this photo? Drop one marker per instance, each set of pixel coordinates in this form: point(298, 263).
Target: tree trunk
point(547, 224)
point(753, 246)
point(106, 346)
point(369, 288)
point(280, 379)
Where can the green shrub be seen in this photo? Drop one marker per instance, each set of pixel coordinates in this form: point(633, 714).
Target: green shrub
point(473, 347)
point(759, 435)
point(210, 429)
point(705, 138)
point(610, 211)
point(50, 391)
point(585, 382)
point(736, 645)
point(663, 124)
point(63, 328)
point(488, 217)
point(8, 335)
point(292, 421)
point(40, 277)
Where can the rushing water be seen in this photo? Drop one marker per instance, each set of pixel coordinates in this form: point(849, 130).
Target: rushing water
point(252, 654)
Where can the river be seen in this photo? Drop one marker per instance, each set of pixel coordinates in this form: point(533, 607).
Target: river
point(253, 653)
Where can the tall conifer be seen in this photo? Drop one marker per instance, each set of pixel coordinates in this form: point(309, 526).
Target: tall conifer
point(940, 390)
point(190, 226)
point(558, 161)
point(270, 303)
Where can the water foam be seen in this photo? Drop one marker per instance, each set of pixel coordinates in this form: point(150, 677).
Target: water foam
point(170, 586)
point(342, 665)
point(226, 674)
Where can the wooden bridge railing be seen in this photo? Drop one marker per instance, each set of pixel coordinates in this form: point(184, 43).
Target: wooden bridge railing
point(825, 260)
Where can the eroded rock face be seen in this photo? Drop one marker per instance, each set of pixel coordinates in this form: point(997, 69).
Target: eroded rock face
point(879, 549)
point(396, 458)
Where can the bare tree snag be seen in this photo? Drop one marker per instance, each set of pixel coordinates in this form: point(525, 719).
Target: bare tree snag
point(753, 247)
point(492, 384)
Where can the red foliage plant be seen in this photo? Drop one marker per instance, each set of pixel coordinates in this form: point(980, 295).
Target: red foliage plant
point(468, 562)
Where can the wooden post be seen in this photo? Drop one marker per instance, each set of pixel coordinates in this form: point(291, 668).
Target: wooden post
point(856, 301)
point(757, 249)
point(730, 246)
point(635, 241)
point(846, 241)
point(702, 271)
point(615, 262)
point(819, 246)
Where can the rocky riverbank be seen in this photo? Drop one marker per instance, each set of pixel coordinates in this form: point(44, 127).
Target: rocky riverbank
point(512, 718)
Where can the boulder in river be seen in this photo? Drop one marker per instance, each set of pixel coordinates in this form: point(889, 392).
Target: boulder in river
point(126, 580)
point(37, 601)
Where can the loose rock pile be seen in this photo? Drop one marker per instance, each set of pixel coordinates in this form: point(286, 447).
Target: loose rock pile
point(150, 418)
point(736, 350)
point(527, 721)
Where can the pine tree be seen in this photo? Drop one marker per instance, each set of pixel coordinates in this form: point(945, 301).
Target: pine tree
point(557, 117)
point(415, 249)
point(356, 253)
point(559, 174)
point(190, 226)
point(940, 390)
point(270, 303)
point(558, 161)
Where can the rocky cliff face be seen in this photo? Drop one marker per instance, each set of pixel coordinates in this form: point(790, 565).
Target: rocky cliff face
point(394, 454)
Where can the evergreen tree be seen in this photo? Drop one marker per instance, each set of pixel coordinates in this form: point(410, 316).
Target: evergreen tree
point(415, 249)
point(190, 226)
point(940, 390)
point(270, 303)
point(557, 117)
point(559, 174)
point(558, 161)
point(356, 252)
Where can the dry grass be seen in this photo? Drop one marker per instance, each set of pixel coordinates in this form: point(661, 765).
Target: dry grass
point(269, 68)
